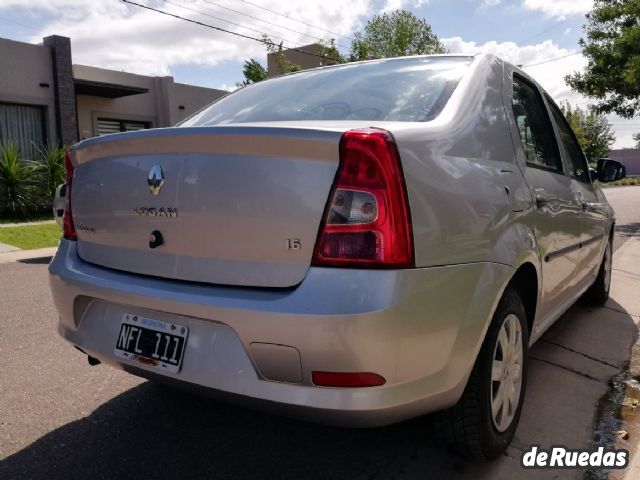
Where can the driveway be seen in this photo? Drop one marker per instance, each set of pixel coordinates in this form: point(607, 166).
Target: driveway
point(61, 418)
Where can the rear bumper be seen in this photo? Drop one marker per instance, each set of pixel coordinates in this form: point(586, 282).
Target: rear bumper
point(420, 329)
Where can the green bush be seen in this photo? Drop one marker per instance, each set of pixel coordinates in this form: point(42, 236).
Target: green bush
point(49, 172)
point(18, 182)
point(629, 181)
point(28, 187)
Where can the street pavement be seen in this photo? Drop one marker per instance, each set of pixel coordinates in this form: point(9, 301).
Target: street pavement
point(62, 419)
point(626, 202)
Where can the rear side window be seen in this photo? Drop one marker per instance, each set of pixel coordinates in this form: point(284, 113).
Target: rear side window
point(407, 90)
point(577, 161)
point(534, 127)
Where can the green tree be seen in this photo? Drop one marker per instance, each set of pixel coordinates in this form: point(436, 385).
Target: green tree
point(612, 48)
point(253, 72)
point(636, 138)
point(592, 130)
point(394, 35)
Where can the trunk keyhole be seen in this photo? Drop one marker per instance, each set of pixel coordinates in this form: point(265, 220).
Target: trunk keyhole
point(155, 239)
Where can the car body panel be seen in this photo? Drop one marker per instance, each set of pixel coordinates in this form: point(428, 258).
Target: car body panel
point(409, 326)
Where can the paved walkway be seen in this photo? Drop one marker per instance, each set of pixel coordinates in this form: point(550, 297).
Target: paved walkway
point(25, 224)
point(4, 248)
point(16, 254)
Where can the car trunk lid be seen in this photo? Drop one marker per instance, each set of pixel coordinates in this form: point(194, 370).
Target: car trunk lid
point(238, 205)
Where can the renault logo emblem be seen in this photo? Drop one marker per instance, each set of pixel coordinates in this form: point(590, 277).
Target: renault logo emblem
point(155, 179)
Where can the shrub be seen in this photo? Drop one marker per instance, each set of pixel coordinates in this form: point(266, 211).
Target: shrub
point(18, 182)
point(625, 182)
point(49, 172)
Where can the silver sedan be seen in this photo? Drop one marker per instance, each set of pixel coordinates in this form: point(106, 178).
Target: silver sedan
point(357, 244)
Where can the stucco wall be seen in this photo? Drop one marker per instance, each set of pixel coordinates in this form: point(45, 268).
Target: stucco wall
point(190, 97)
point(132, 107)
point(307, 60)
point(160, 106)
point(24, 66)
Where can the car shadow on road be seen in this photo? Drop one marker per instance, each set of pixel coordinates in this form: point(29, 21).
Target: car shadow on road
point(36, 261)
point(152, 431)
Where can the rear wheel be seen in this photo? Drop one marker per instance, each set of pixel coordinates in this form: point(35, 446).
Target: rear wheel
point(482, 424)
point(598, 294)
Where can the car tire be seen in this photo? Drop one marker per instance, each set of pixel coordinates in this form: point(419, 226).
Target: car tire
point(475, 429)
point(598, 293)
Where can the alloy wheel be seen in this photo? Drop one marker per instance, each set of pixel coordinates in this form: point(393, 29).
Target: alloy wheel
point(506, 373)
point(607, 267)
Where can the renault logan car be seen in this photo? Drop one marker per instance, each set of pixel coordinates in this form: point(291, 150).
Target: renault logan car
point(357, 244)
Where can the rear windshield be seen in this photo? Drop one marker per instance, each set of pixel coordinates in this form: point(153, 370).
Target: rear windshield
point(404, 90)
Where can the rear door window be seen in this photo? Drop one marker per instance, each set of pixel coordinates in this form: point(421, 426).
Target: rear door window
point(534, 126)
point(579, 169)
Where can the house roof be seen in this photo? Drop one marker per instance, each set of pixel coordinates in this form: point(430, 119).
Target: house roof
point(105, 89)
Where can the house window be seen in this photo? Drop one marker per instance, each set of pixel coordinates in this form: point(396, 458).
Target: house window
point(23, 126)
point(109, 125)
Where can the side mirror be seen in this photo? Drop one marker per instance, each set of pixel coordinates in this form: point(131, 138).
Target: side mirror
point(610, 170)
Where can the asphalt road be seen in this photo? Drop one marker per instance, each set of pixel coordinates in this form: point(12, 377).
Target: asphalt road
point(61, 418)
point(626, 202)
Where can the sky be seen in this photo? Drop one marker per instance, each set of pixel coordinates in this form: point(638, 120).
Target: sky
point(120, 36)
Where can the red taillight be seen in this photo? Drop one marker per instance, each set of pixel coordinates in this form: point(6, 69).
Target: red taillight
point(367, 222)
point(68, 229)
point(347, 379)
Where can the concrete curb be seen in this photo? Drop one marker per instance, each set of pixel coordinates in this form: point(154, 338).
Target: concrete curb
point(625, 290)
point(11, 257)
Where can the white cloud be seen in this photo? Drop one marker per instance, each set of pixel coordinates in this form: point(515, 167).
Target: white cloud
point(559, 8)
point(391, 5)
point(112, 34)
point(510, 51)
point(226, 86)
point(489, 3)
point(550, 75)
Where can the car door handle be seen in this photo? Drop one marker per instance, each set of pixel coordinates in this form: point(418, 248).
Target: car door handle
point(594, 207)
point(541, 199)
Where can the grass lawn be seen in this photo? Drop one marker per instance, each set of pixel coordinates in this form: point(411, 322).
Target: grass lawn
point(31, 236)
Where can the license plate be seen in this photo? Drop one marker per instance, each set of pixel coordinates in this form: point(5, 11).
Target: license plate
point(151, 342)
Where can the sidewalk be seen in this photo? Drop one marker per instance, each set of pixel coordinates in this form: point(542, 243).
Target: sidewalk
point(626, 271)
point(17, 254)
point(4, 248)
point(26, 224)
